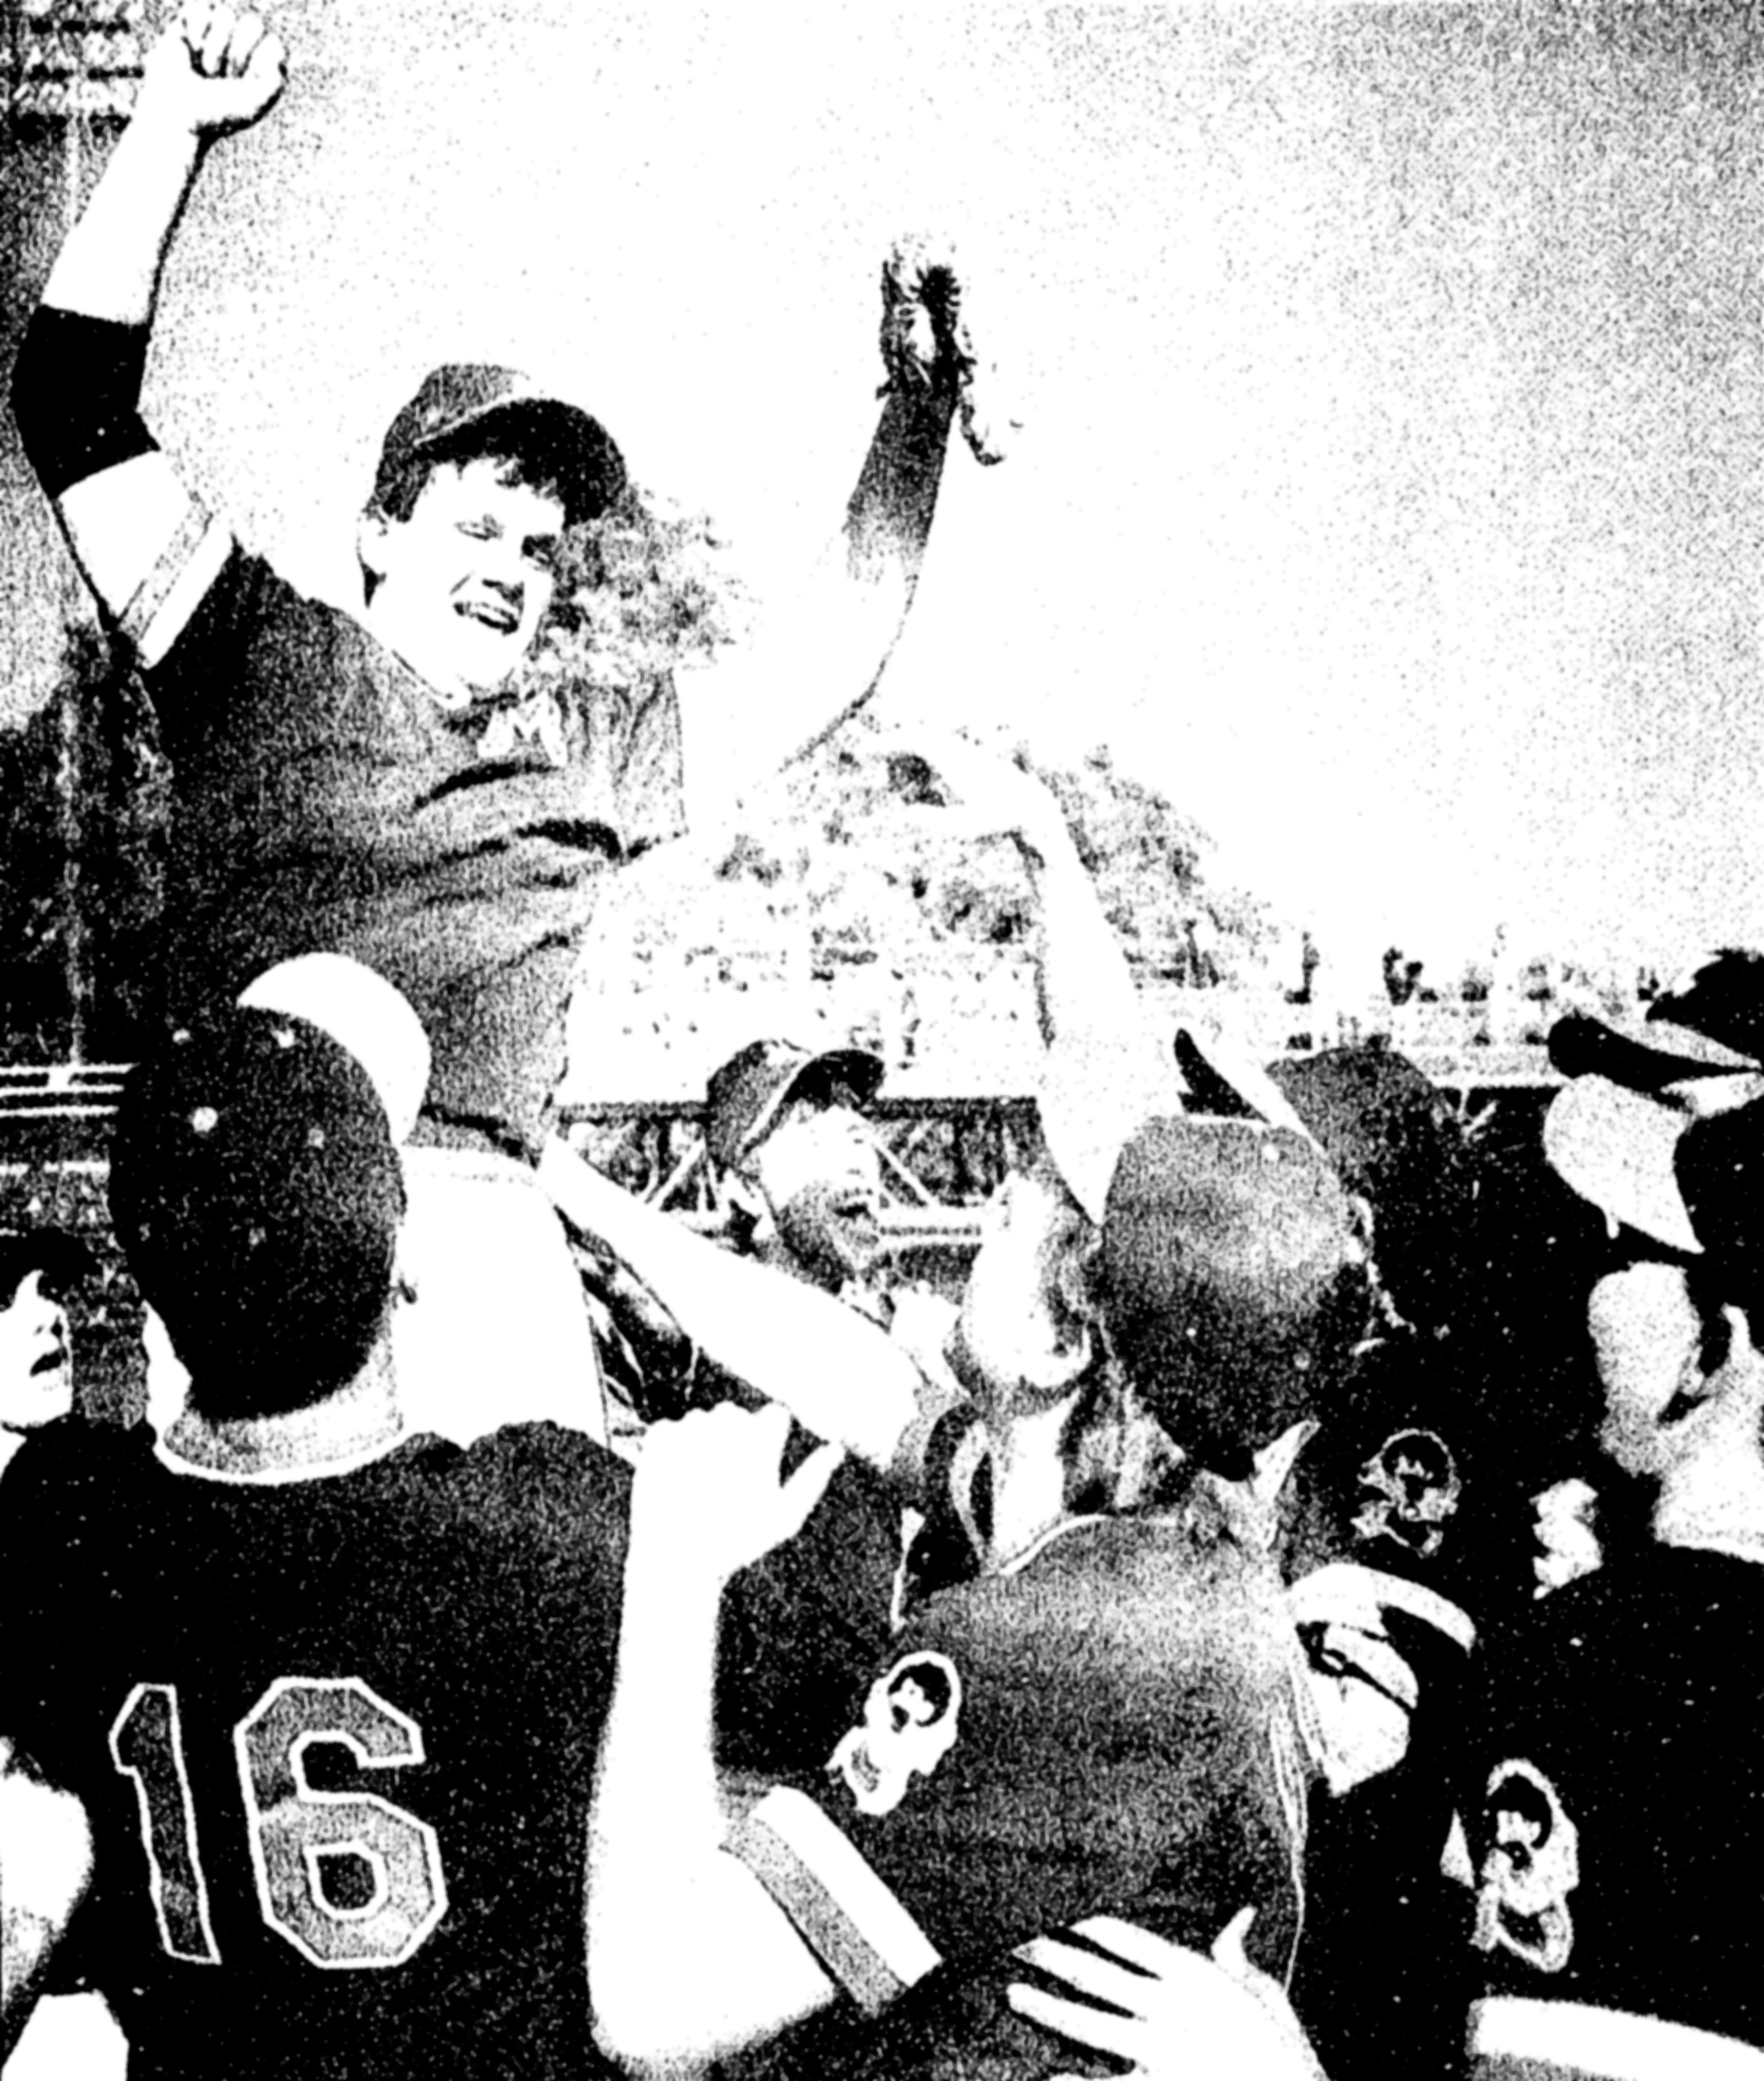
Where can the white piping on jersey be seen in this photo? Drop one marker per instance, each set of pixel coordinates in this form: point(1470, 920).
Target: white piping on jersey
point(1399, 1593)
point(849, 1915)
point(1015, 1564)
point(187, 592)
point(973, 1451)
point(172, 590)
point(1512, 2035)
point(265, 1477)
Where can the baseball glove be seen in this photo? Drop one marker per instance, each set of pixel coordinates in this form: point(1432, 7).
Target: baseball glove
point(926, 345)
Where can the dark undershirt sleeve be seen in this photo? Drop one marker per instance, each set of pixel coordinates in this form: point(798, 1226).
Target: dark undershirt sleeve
point(76, 396)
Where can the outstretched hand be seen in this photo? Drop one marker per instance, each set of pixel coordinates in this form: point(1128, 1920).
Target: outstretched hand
point(927, 346)
point(214, 68)
point(710, 1489)
point(1181, 2014)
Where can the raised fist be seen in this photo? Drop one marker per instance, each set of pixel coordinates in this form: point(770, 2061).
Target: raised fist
point(213, 69)
point(926, 345)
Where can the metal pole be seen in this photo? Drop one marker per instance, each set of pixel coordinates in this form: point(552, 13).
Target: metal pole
point(70, 775)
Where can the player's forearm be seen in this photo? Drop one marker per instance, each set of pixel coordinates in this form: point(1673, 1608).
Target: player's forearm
point(111, 265)
point(826, 651)
point(656, 1801)
point(1084, 984)
point(1093, 1021)
point(889, 518)
point(45, 1865)
point(839, 1374)
point(656, 1832)
point(709, 1499)
point(887, 527)
point(76, 384)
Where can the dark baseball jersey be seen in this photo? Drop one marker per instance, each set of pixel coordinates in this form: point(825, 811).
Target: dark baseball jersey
point(803, 1630)
point(1614, 1804)
point(336, 1737)
point(1108, 1724)
point(1398, 1481)
point(325, 800)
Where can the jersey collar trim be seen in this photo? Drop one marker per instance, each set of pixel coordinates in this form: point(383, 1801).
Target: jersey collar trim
point(265, 1477)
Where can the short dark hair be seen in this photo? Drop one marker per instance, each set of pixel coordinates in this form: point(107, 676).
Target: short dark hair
point(257, 1194)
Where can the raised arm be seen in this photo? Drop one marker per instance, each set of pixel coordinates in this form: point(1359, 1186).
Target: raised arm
point(1103, 1070)
point(1106, 1066)
point(76, 388)
point(706, 1501)
point(45, 1862)
point(824, 657)
point(839, 1374)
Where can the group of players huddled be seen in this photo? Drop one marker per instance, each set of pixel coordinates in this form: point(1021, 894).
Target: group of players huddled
point(538, 1639)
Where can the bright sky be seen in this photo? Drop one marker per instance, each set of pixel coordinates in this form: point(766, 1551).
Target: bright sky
point(1389, 491)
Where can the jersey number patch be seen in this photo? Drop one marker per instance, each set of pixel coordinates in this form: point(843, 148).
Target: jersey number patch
point(346, 1878)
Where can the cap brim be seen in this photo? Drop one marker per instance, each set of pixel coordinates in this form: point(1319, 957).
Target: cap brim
point(1617, 1149)
point(860, 1072)
point(1658, 1053)
point(1224, 1079)
point(362, 1013)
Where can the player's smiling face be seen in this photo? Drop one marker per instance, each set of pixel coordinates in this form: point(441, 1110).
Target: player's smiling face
point(465, 582)
point(36, 1376)
point(822, 1174)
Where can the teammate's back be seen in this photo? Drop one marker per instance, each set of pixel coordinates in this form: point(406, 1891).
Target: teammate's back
point(322, 1698)
point(335, 1738)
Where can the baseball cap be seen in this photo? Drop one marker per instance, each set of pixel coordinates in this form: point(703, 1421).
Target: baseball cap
point(1233, 1285)
point(257, 1193)
point(1659, 1126)
point(1091, 1100)
point(1394, 1139)
point(459, 396)
point(361, 1012)
point(65, 1258)
point(746, 1094)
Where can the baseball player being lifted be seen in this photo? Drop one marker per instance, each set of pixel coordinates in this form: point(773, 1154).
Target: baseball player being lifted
point(379, 782)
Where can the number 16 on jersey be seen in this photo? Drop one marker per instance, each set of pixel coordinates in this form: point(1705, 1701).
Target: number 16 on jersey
point(349, 1879)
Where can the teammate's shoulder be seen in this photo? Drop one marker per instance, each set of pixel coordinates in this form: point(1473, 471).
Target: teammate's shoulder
point(69, 1488)
point(533, 1461)
point(77, 1452)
